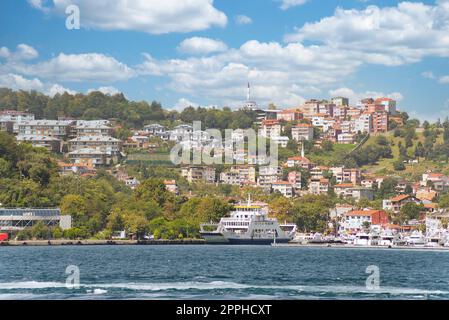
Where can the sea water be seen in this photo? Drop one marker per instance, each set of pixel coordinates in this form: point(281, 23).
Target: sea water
point(221, 272)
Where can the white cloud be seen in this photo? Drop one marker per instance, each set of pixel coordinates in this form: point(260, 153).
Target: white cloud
point(18, 82)
point(286, 4)
point(89, 67)
point(108, 90)
point(199, 45)
point(23, 52)
point(242, 19)
point(443, 80)
point(355, 97)
point(428, 75)
point(389, 36)
point(279, 74)
point(150, 16)
point(58, 89)
point(184, 103)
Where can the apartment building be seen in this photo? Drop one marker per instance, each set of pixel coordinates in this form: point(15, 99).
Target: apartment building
point(380, 122)
point(199, 174)
point(270, 129)
point(269, 175)
point(319, 186)
point(302, 131)
point(16, 117)
point(355, 221)
point(55, 128)
point(283, 187)
point(239, 175)
point(52, 144)
point(109, 145)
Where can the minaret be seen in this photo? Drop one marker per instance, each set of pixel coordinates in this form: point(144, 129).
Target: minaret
point(248, 95)
point(303, 154)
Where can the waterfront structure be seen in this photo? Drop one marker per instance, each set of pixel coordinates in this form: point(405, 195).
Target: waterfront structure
point(17, 219)
point(356, 220)
point(248, 224)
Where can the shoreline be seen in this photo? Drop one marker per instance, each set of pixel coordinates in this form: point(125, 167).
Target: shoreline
point(349, 246)
point(189, 242)
point(41, 243)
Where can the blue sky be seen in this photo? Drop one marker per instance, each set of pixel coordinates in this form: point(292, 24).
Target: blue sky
point(203, 52)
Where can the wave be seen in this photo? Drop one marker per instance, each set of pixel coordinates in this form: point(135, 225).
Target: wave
point(101, 288)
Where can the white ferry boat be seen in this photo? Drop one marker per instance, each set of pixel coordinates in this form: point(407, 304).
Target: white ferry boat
point(248, 224)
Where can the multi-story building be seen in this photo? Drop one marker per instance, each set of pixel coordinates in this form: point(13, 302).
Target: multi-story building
point(356, 220)
point(17, 219)
point(295, 179)
point(239, 175)
point(319, 186)
point(301, 162)
point(396, 203)
point(90, 157)
point(16, 117)
point(342, 175)
point(302, 131)
point(199, 174)
point(346, 138)
point(289, 115)
point(109, 145)
point(438, 181)
point(363, 123)
point(269, 174)
point(52, 144)
point(55, 128)
point(353, 112)
point(93, 129)
point(284, 187)
point(270, 129)
point(380, 122)
point(6, 126)
point(340, 101)
point(388, 104)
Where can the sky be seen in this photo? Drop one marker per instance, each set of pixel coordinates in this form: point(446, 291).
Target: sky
point(204, 52)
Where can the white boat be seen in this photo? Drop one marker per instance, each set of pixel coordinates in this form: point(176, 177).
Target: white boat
point(416, 239)
point(248, 224)
point(362, 239)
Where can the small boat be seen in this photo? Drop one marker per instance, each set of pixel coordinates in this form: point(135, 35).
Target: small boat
point(416, 239)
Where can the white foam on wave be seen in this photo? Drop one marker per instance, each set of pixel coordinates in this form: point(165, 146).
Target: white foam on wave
point(99, 289)
point(30, 285)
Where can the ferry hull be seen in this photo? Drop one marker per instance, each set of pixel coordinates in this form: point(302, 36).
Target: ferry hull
point(216, 238)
